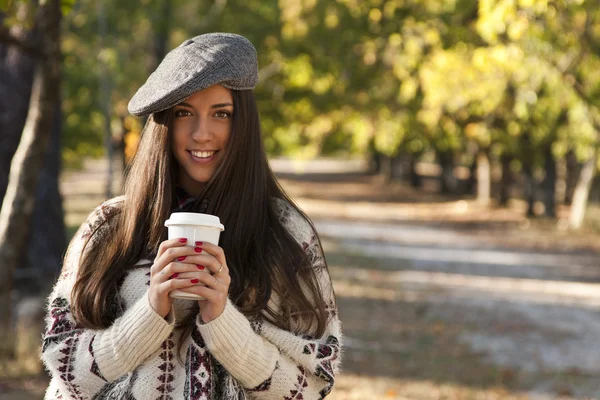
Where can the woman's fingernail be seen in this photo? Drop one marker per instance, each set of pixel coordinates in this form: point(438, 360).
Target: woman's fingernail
point(195, 280)
point(174, 275)
point(199, 243)
point(181, 258)
point(200, 267)
point(182, 240)
point(197, 249)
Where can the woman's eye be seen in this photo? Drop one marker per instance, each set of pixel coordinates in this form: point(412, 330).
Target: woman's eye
point(182, 113)
point(222, 114)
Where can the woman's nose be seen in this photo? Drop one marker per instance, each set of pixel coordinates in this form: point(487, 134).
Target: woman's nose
point(202, 131)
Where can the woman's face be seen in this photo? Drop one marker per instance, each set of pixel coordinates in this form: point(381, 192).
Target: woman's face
point(201, 129)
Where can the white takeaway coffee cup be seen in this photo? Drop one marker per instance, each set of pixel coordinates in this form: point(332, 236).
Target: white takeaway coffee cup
point(195, 227)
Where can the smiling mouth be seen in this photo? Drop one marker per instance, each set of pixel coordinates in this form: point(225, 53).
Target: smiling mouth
point(202, 154)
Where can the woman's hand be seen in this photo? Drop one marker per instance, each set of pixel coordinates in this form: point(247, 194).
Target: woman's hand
point(214, 274)
point(169, 264)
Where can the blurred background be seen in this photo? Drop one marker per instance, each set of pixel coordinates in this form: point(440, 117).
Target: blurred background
point(447, 151)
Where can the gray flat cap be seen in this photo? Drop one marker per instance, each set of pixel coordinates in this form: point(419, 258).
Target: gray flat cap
point(224, 58)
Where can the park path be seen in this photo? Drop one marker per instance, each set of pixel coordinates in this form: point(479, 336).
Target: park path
point(530, 315)
point(430, 310)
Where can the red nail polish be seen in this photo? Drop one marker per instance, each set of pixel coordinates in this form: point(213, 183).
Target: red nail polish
point(199, 243)
point(195, 280)
point(174, 276)
point(197, 249)
point(182, 240)
point(200, 267)
point(181, 258)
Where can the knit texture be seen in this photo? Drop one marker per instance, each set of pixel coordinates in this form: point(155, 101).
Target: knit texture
point(198, 63)
point(229, 358)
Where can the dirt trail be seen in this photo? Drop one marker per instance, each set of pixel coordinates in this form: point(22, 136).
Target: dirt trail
point(438, 290)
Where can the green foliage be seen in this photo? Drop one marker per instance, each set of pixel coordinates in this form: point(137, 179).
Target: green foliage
point(354, 76)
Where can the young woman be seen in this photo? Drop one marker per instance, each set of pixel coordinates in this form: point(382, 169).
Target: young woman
point(268, 328)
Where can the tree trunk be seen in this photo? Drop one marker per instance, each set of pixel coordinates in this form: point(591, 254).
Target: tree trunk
point(18, 202)
point(16, 76)
point(506, 180)
point(561, 180)
point(47, 233)
point(572, 175)
point(471, 185)
point(529, 187)
point(163, 28)
point(484, 178)
point(375, 163)
point(415, 178)
point(550, 184)
point(447, 178)
point(36, 274)
point(582, 192)
point(386, 168)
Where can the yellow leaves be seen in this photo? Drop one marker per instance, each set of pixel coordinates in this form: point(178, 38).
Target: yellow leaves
point(408, 90)
point(69, 44)
point(389, 8)
point(395, 40)
point(271, 42)
point(369, 58)
point(109, 57)
point(511, 17)
point(429, 116)
point(323, 84)
point(389, 131)
point(399, 70)
point(538, 6)
point(413, 46)
point(319, 127)
point(80, 20)
point(304, 140)
point(73, 120)
point(478, 132)
point(375, 15)
point(299, 72)
point(133, 130)
point(292, 12)
point(361, 130)
point(518, 28)
point(290, 9)
point(332, 19)
point(514, 129)
point(491, 19)
point(295, 29)
point(432, 37)
point(370, 50)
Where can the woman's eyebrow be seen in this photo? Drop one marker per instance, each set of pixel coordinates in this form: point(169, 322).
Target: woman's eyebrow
point(219, 105)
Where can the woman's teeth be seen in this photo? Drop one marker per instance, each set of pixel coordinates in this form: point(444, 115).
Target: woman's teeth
point(203, 154)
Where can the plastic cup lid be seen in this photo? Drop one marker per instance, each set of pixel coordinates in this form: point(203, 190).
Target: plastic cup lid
point(184, 218)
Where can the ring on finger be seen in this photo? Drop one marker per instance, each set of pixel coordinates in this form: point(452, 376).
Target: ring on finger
point(162, 272)
point(216, 281)
point(220, 269)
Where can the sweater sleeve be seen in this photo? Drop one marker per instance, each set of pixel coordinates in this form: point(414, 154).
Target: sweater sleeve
point(272, 363)
point(81, 361)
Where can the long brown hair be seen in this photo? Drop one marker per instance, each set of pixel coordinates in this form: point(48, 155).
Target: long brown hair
point(263, 258)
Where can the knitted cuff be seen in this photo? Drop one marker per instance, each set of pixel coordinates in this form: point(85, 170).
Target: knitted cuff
point(130, 340)
point(232, 341)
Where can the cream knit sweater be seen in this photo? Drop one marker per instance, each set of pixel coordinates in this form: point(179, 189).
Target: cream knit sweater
point(228, 358)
